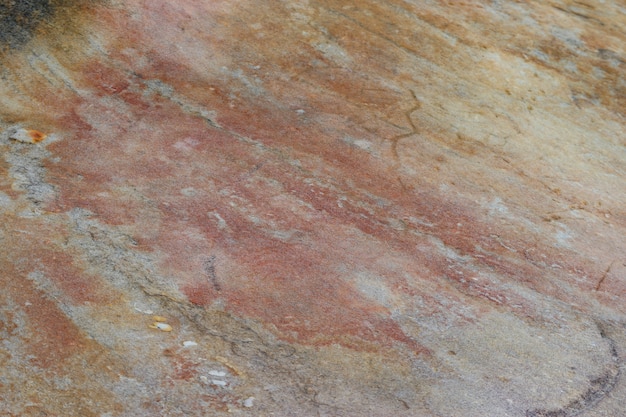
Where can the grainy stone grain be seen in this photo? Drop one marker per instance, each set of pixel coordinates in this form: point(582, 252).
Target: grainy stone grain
point(391, 208)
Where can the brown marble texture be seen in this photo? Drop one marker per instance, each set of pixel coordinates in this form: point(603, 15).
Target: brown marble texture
point(376, 208)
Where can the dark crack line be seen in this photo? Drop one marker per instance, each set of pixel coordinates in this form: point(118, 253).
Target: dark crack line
point(414, 131)
point(606, 273)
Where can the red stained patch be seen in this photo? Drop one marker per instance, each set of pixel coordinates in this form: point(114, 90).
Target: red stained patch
point(105, 79)
point(291, 288)
point(33, 284)
point(72, 281)
point(200, 294)
point(57, 338)
point(183, 369)
point(50, 336)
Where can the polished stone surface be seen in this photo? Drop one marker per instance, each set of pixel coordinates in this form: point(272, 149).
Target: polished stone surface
point(313, 208)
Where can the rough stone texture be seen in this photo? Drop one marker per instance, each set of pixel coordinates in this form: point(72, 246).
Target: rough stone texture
point(382, 208)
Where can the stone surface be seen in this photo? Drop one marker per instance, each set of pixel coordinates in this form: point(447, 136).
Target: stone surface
point(387, 208)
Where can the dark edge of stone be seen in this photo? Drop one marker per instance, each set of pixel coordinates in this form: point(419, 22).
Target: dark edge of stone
point(20, 19)
point(598, 389)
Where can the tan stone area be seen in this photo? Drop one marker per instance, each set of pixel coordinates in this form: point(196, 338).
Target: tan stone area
point(313, 208)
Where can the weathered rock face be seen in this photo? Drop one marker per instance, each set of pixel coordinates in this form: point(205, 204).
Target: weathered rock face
point(387, 208)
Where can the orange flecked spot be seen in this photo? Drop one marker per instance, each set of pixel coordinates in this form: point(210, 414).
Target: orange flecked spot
point(36, 135)
point(27, 135)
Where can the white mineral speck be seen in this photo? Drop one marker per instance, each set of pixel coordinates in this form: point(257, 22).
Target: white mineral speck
point(217, 373)
point(218, 382)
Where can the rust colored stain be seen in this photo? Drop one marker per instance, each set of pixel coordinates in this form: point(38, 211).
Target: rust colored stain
point(36, 135)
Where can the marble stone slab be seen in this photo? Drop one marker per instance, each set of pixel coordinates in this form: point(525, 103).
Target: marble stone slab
point(313, 208)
